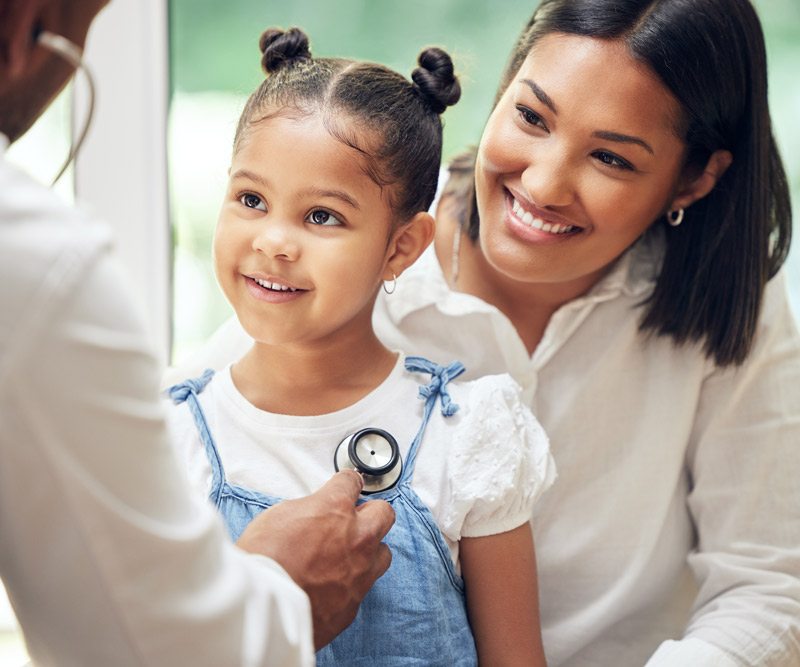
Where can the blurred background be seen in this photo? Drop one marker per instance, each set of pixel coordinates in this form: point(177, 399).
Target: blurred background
point(196, 62)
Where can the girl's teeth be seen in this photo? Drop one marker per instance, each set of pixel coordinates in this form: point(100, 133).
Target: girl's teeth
point(274, 286)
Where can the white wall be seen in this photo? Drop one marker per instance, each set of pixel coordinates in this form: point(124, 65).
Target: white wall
point(121, 172)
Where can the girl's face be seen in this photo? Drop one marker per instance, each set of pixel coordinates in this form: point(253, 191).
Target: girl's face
point(576, 161)
point(302, 240)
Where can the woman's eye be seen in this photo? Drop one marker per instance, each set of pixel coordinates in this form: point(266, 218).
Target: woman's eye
point(613, 161)
point(531, 117)
point(253, 201)
point(322, 217)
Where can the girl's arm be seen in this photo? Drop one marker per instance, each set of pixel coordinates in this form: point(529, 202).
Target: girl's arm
point(503, 598)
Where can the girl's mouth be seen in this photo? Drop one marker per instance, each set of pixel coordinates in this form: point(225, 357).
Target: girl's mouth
point(275, 287)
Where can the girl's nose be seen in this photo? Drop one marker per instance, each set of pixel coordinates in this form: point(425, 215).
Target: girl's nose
point(548, 178)
point(278, 239)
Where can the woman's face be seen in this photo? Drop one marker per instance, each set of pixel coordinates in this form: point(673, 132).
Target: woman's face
point(576, 161)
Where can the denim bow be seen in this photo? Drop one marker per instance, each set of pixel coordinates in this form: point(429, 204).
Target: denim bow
point(181, 391)
point(441, 376)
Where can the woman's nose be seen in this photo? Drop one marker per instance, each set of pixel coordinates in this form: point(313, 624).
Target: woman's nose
point(548, 178)
point(278, 239)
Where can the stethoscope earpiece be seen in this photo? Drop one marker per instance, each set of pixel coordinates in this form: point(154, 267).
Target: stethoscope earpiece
point(374, 453)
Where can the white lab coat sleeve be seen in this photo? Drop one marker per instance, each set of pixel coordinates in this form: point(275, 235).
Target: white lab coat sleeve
point(106, 556)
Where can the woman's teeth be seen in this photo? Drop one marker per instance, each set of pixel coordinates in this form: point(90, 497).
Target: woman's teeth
point(537, 223)
point(274, 286)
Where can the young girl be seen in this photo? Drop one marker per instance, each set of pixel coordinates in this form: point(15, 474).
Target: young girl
point(334, 166)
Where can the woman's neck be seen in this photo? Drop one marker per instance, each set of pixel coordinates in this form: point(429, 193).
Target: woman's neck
point(529, 306)
point(312, 378)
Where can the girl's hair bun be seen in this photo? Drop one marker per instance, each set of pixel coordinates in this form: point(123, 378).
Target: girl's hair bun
point(435, 79)
point(282, 47)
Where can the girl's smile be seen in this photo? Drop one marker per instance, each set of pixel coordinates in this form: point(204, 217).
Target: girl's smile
point(271, 291)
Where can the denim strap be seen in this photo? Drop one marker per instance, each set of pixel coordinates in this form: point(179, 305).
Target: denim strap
point(187, 392)
point(440, 377)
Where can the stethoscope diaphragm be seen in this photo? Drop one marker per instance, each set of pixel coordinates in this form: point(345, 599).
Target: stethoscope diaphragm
point(374, 453)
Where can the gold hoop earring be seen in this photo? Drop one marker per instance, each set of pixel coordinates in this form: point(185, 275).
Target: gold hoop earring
point(674, 218)
point(393, 283)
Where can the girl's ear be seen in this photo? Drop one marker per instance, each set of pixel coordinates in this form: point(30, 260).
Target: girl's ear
point(698, 187)
point(407, 243)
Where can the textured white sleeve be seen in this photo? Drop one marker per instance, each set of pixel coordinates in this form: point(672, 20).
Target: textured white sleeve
point(500, 460)
point(693, 652)
point(744, 463)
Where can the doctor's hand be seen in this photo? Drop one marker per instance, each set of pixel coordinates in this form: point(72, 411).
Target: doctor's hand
point(331, 548)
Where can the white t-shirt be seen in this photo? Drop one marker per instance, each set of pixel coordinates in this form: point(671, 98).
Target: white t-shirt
point(479, 471)
point(672, 535)
point(106, 556)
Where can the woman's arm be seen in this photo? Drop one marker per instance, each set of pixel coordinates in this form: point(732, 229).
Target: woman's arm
point(503, 597)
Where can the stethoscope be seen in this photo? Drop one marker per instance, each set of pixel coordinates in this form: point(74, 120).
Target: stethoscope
point(72, 53)
point(374, 453)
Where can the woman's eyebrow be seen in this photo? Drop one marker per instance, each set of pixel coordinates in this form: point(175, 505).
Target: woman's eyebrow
point(623, 139)
point(543, 97)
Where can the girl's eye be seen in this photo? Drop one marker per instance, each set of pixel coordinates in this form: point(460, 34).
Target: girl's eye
point(531, 117)
point(253, 201)
point(613, 161)
point(322, 217)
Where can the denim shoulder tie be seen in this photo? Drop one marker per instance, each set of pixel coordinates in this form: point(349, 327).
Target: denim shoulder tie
point(437, 387)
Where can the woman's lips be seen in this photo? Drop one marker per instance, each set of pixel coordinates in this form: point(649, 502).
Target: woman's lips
point(529, 219)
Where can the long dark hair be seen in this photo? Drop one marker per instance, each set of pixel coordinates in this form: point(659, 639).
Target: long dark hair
point(398, 121)
point(710, 54)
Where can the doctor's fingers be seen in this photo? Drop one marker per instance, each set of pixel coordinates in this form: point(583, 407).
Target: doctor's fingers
point(375, 518)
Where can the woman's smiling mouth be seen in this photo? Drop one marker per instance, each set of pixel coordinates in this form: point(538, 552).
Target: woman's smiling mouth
point(527, 218)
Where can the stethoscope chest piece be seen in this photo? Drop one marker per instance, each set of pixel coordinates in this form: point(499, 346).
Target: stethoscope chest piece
point(374, 453)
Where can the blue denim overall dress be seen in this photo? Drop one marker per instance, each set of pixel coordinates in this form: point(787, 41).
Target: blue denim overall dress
point(415, 614)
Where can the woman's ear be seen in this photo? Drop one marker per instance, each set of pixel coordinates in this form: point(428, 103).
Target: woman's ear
point(407, 243)
point(697, 187)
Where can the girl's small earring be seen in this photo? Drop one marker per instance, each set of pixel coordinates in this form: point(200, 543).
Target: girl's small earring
point(674, 218)
point(394, 285)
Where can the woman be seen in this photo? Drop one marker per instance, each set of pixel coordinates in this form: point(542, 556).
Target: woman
point(619, 254)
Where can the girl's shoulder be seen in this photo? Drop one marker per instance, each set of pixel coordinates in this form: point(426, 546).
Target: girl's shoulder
point(498, 394)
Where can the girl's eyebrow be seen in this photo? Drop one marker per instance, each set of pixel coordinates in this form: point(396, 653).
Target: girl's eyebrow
point(250, 176)
point(336, 194)
point(544, 98)
point(308, 192)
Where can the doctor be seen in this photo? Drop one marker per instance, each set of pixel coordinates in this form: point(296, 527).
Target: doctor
point(105, 557)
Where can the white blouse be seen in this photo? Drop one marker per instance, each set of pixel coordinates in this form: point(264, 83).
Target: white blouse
point(672, 535)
